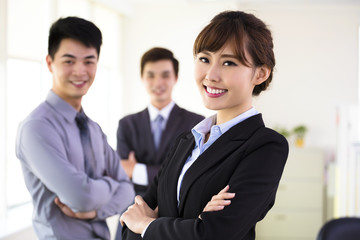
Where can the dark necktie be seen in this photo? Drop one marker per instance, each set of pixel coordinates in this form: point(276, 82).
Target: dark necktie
point(158, 130)
point(82, 123)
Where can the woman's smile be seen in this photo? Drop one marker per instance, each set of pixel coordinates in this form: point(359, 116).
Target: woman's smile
point(214, 92)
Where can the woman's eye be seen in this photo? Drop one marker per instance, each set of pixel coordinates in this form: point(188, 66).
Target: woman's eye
point(229, 63)
point(204, 59)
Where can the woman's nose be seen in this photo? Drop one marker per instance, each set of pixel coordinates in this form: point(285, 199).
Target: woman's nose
point(213, 73)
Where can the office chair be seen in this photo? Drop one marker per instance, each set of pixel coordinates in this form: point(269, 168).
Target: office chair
point(346, 228)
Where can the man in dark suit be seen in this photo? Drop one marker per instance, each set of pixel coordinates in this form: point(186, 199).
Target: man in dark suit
point(141, 157)
point(139, 145)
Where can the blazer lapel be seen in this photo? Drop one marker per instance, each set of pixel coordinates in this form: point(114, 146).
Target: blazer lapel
point(170, 129)
point(219, 151)
point(144, 123)
point(183, 151)
point(181, 154)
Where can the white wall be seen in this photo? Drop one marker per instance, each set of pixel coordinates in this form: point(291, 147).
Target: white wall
point(316, 50)
point(317, 67)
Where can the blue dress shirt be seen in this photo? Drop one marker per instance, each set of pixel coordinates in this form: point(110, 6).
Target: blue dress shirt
point(199, 132)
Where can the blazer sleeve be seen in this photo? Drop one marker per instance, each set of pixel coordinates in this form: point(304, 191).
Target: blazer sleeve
point(152, 171)
point(150, 196)
point(122, 146)
point(127, 234)
point(254, 181)
point(151, 199)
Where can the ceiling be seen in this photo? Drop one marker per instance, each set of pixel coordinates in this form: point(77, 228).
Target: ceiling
point(126, 6)
point(246, 1)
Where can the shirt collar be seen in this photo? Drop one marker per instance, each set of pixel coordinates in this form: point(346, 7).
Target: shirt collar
point(208, 124)
point(229, 124)
point(164, 112)
point(61, 106)
point(202, 128)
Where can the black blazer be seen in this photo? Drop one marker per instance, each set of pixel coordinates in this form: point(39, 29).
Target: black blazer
point(134, 134)
point(249, 157)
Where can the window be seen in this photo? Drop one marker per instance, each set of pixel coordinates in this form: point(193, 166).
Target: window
point(25, 82)
point(23, 93)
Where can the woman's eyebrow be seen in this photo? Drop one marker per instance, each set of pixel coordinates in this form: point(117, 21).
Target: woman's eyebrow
point(228, 56)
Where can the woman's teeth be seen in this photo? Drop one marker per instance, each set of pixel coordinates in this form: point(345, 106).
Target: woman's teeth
point(215, 91)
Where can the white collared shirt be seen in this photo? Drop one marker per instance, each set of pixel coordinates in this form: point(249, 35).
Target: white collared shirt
point(164, 112)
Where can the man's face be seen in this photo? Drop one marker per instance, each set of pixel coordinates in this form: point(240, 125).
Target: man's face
point(159, 79)
point(73, 69)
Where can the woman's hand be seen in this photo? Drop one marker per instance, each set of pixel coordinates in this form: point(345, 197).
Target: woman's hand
point(138, 216)
point(219, 201)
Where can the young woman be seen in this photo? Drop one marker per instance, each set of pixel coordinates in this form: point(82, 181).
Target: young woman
point(234, 61)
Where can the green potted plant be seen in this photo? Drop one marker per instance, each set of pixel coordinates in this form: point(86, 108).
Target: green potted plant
point(283, 131)
point(299, 132)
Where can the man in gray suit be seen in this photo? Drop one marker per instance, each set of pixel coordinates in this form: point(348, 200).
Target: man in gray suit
point(73, 175)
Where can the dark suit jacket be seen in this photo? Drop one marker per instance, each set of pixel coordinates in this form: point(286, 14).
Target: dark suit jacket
point(134, 134)
point(249, 157)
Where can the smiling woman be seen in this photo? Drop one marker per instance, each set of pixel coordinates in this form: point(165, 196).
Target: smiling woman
point(223, 175)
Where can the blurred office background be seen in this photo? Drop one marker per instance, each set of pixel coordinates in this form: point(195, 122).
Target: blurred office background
point(316, 85)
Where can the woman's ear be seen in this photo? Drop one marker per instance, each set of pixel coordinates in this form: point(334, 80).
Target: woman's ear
point(262, 73)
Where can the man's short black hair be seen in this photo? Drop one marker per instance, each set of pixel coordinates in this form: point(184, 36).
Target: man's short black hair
point(156, 54)
point(75, 28)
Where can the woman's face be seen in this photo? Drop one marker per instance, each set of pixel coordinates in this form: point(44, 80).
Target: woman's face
point(225, 84)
